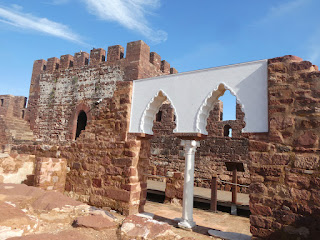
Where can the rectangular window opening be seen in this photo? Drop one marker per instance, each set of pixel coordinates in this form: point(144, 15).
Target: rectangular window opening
point(159, 116)
point(71, 64)
point(2, 102)
point(86, 61)
point(103, 58)
point(44, 67)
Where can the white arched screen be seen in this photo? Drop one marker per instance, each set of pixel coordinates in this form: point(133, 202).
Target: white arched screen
point(192, 95)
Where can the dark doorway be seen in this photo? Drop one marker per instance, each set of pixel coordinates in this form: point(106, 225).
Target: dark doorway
point(81, 123)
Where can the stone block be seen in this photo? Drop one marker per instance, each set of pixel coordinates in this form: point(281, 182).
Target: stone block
point(307, 139)
point(259, 209)
point(95, 222)
point(306, 161)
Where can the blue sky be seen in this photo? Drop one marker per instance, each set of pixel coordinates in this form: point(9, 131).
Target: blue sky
point(190, 35)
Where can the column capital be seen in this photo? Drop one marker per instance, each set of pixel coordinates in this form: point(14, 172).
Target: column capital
point(190, 145)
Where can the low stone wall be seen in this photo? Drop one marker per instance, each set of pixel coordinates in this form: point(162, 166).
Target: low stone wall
point(174, 188)
point(51, 173)
point(17, 168)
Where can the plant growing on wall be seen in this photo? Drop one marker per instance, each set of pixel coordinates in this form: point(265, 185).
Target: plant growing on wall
point(74, 80)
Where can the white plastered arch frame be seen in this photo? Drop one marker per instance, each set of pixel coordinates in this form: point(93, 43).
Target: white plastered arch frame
point(208, 104)
point(193, 93)
point(146, 122)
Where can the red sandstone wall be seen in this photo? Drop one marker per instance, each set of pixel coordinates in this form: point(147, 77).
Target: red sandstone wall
point(285, 190)
point(59, 86)
point(104, 160)
point(12, 106)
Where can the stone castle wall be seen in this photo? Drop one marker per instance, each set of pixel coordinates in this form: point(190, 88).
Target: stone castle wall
point(285, 176)
point(103, 160)
point(60, 88)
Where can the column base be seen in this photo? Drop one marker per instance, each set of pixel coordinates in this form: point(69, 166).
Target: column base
point(185, 223)
point(234, 209)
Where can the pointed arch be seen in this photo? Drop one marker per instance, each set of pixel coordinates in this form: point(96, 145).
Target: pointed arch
point(208, 104)
point(146, 122)
point(72, 125)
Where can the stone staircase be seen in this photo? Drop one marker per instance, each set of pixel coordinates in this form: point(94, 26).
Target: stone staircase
point(14, 131)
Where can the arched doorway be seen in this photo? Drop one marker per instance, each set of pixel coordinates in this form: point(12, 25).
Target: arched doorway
point(81, 123)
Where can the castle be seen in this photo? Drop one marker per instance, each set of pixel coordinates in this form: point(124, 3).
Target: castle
point(81, 134)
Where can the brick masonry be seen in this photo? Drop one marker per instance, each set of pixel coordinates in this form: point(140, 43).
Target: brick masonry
point(285, 176)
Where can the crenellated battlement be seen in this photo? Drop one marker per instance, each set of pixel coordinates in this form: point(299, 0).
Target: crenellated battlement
point(118, 64)
point(137, 51)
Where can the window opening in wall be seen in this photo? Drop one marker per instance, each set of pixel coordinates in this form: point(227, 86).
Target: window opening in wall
point(227, 131)
point(57, 66)
point(22, 114)
point(121, 55)
point(81, 123)
point(44, 67)
point(25, 102)
point(103, 58)
point(2, 102)
point(71, 64)
point(229, 106)
point(86, 61)
point(159, 116)
point(174, 117)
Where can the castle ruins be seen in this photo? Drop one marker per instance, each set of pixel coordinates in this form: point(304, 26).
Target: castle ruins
point(97, 125)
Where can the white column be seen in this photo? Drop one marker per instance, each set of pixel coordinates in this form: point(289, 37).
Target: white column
point(190, 147)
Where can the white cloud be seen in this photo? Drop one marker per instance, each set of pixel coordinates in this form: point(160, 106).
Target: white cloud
point(59, 2)
point(313, 48)
point(130, 14)
point(17, 7)
point(43, 25)
point(282, 10)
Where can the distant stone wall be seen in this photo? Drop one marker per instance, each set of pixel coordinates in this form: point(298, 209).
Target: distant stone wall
point(285, 189)
point(12, 106)
point(168, 156)
point(5, 137)
point(174, 188)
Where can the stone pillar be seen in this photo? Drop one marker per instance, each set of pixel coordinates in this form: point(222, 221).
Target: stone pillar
point(190, 147)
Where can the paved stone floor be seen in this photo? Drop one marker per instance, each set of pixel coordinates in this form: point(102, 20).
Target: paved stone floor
point(205, 221)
